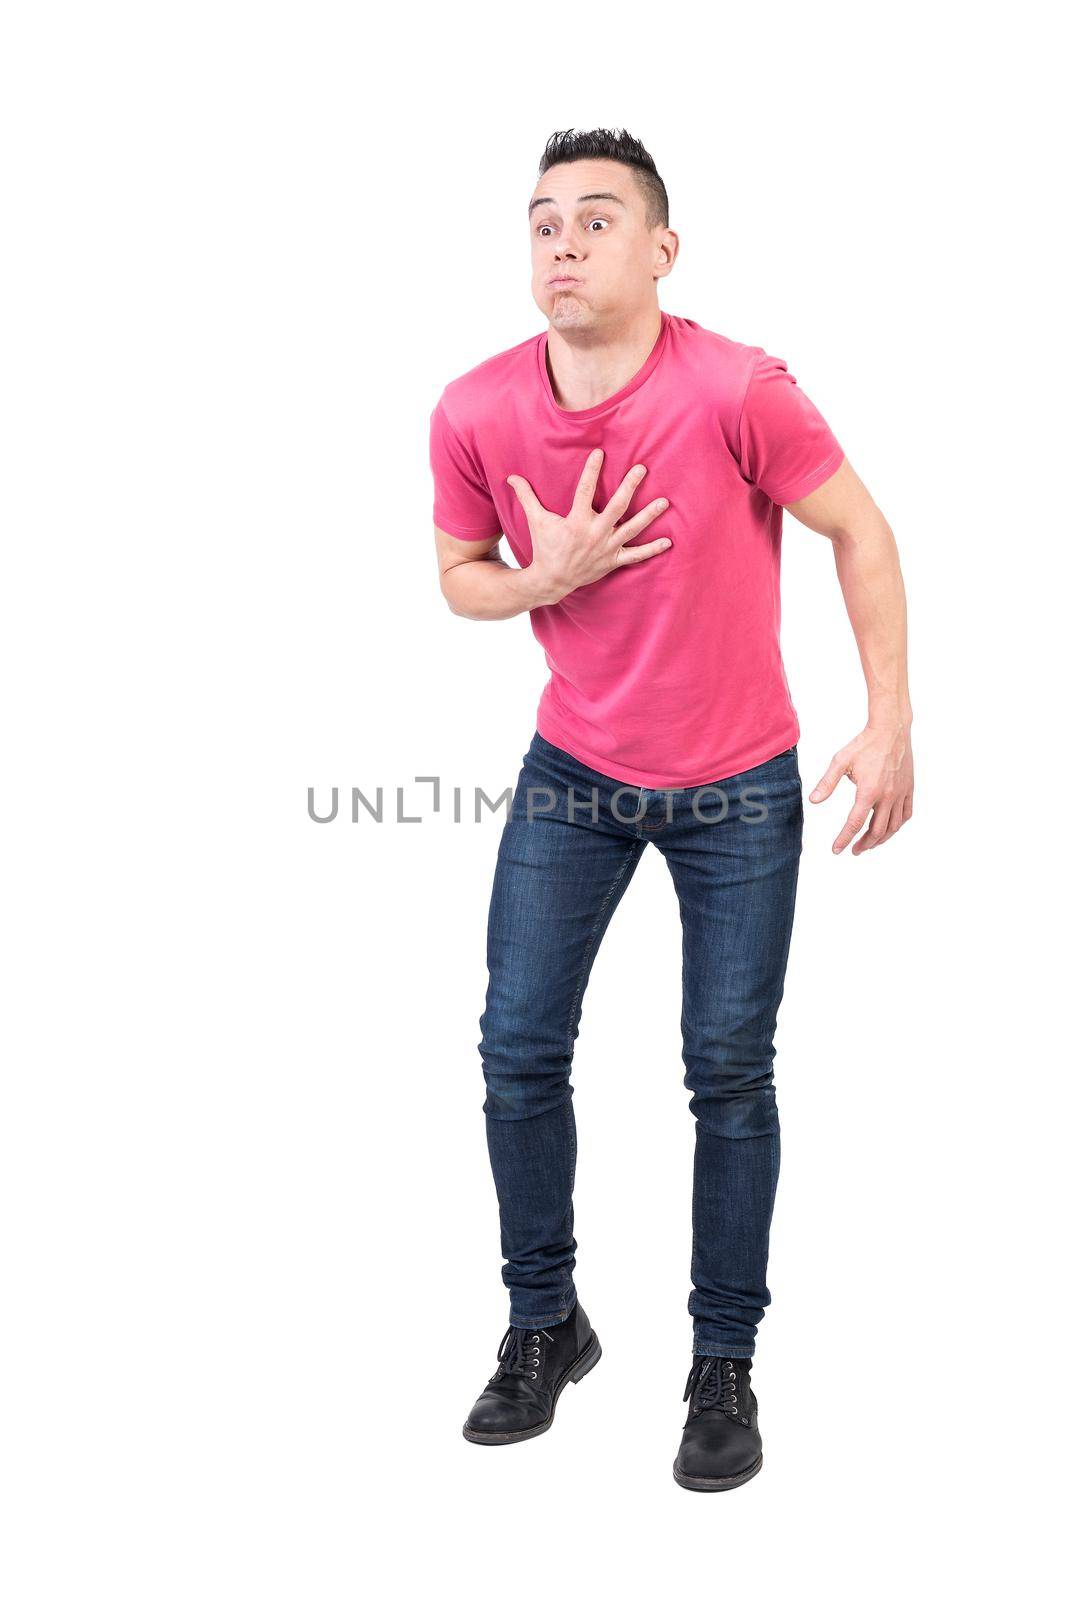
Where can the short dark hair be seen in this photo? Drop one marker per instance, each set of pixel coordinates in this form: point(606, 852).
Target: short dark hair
point(612, 144)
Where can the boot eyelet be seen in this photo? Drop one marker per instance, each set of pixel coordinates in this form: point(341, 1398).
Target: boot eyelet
point(734, 1411)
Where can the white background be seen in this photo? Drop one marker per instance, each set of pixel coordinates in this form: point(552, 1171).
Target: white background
point(250, 1260)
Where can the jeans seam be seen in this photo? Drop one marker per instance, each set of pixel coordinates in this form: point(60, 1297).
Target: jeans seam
point(574, 1151)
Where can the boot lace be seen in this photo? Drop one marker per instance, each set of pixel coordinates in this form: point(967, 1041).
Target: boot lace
point(713, 1384)
point(520, 1352)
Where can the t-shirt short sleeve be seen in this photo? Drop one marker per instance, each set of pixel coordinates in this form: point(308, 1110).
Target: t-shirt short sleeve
point(463, 505)
point(785, 447)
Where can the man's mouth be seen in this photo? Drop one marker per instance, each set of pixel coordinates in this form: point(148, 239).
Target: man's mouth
point(562, 283)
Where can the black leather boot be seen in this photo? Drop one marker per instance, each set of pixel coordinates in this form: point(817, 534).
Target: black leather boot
point(721, 1445)
point(534, 1364)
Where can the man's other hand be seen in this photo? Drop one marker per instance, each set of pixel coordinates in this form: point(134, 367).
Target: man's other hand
point(879, 762)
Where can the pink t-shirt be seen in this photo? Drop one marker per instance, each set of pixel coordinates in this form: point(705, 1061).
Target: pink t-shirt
point(667, 673)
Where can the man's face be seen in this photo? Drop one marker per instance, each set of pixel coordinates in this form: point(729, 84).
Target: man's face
point(587, 224)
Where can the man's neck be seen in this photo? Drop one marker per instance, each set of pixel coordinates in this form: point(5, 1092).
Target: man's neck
point(584, 373)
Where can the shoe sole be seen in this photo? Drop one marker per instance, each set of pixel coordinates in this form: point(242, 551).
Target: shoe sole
point(711, 1485)
point(583, 1363)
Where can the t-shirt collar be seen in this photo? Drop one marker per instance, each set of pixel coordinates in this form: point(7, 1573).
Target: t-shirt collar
point(644, 371)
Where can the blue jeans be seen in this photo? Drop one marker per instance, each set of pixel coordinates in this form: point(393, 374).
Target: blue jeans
point(733, 851)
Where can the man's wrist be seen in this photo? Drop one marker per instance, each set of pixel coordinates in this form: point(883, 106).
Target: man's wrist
point(890, 715)
point(537, 589)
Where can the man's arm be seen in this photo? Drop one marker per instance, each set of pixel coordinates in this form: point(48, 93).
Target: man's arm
point(478, 584)
point(879, 759)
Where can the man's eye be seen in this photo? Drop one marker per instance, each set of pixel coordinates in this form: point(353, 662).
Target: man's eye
point(597, 220)
point(544, 228)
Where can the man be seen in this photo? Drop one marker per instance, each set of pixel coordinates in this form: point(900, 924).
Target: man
point(637, 464)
